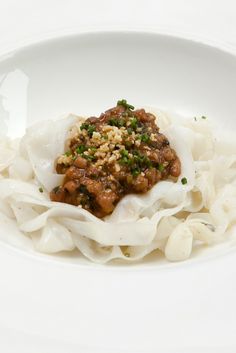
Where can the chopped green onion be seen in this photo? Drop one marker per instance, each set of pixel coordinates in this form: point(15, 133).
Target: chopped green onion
point(89, 127)
point(116, 122)
point(184, 181)
point(129, 130)
point(145, 138)
point(123, 160)
point(123, 103)
point(68, 153)
point(81, 149)
point(125, 157)
point(204, 117)
point(93, 148)
point(91, 130)
point(137, 161)
point(124, 153)
point(142, 160)
point(89, 157)
point(126, 160)
point(40, 189)
point(135, 172)
point(160, 167)
point(133, 124)
point(84, 126)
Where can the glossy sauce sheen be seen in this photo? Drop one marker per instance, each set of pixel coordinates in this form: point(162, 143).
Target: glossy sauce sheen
point(119, 153)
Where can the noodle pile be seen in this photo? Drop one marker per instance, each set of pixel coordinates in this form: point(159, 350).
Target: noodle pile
point(171, 217)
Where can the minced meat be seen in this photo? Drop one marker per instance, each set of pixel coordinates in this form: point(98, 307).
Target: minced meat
point(119, 153)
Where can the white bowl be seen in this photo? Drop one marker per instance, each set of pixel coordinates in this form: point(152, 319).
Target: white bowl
point(69, 305)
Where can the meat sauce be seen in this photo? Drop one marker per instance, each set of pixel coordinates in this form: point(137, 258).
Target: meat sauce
point(119, 153)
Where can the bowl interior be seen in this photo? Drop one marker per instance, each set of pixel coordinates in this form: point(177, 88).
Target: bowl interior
point(87, 73)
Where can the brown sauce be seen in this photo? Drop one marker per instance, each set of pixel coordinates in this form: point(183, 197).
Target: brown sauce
point(119, 153)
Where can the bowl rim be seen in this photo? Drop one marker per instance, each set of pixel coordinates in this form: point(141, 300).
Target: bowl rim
point(54, 36)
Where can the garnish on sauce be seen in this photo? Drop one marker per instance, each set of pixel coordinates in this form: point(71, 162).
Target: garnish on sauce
point(119, 153)
point(184, 181)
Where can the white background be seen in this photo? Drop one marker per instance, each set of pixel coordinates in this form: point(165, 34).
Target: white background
point(211, 20)
point(25, 20)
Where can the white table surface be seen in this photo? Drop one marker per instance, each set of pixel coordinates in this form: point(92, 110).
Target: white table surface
point(25, 20)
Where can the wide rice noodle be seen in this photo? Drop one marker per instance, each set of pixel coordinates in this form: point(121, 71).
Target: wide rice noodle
point(170, 217)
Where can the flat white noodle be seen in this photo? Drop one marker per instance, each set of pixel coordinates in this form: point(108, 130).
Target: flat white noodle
point(7, 153)
point(54, 238)
point(170, 217)
point(44, 142)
